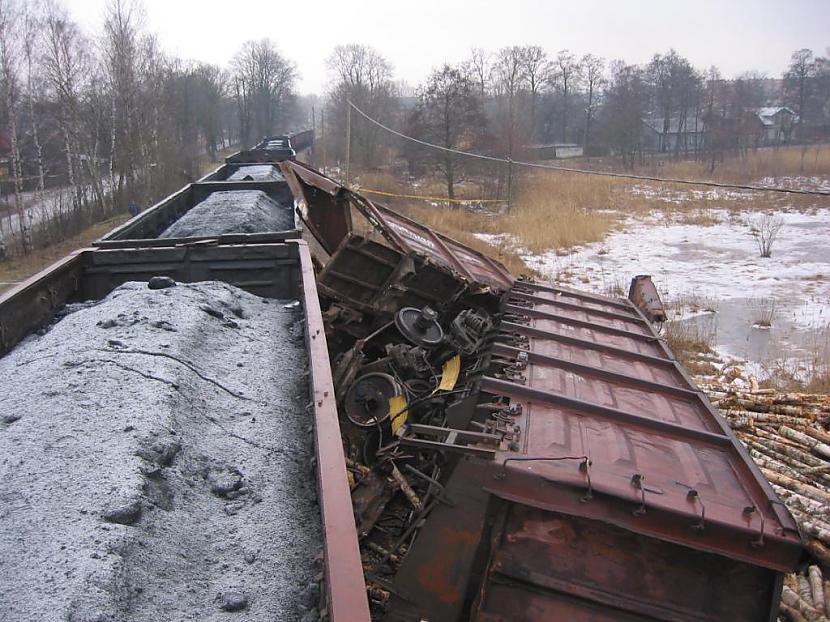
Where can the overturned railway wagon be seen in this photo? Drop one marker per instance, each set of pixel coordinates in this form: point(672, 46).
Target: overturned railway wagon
point(486, 448)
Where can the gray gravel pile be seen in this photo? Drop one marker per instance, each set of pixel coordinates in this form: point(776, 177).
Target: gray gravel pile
point(257, 172)
point(233, 211)
point(156, 462)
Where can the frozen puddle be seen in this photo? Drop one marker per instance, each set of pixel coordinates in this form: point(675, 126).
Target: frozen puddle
point(718, 267)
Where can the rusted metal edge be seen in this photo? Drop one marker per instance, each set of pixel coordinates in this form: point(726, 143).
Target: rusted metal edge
point(220, 240)
point(158, 206)
point(42, 276)
point(310, 176)
point(763, 486)
point(622, 303)
point(538, 333)
point(535, 358)
point(376, 214)
point(778, 553)
point(614, 315)
point(504, 277)
point(206, 177)
point(647, 336)
point(14, 326)
point(647, 424)
point(146, 214)
point(755, 484)
point(347, 599)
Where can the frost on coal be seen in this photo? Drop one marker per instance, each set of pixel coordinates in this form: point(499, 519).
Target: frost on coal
point(233, 211)
point(257, 172)
point(156, 461)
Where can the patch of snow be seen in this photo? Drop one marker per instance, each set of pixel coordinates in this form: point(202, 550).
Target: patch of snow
point(699, 269)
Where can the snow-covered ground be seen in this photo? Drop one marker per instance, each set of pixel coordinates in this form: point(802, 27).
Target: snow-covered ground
point(713, 276)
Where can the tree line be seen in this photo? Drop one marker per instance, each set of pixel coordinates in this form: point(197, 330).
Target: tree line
point(113, 120)
point(509, 102)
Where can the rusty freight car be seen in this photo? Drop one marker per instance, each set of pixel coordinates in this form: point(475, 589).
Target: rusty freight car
point(553, 462)
point(487, 448)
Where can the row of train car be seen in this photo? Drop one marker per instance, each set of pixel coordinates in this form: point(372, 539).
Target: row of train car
point(488, 448)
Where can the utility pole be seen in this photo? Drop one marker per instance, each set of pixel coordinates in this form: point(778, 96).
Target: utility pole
point(509, 184)
point(348, 140)
point(323, 136)
point(313, 133)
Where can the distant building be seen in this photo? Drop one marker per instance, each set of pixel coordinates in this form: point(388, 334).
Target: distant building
point(672, 134)
point(554, 151)
point(774, 124)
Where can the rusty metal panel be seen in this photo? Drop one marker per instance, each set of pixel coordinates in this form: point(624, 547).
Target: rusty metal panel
point(321, 205)
point(32, 303)
point(375, 278)
point(608, 412)
point(406, 235)
point(549, 566)
point(643, 294)
point(345, 586)
point(467, 263)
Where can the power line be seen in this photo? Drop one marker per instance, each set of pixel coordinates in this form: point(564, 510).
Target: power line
point(582, 171)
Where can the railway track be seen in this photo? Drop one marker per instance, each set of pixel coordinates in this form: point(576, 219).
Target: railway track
point(486, 448)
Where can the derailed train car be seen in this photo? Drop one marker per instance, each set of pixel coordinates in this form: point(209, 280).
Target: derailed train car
point(527, 452)
point(509, 450)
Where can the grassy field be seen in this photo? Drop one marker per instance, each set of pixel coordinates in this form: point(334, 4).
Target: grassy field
point(807, 161)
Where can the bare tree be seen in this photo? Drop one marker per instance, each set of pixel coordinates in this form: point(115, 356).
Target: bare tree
point(509, 74)
point(449, 114)
point(360, 74)
point(594, 73)
point(797, 81)
point(765, 231)
point(625, 103)
point(10, 45)
point(479, 66)
point(120, 46)
point(31, 50)
point(536, 67)
point(566, 75)
point(211, 89)
point(264, 87)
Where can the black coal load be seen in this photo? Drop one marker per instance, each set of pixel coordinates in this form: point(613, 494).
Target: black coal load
point(233, 211)
point(156, 462)
point(257, 172)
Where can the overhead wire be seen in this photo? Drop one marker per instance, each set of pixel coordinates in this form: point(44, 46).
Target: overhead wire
point(427, 198)
point(582, 171)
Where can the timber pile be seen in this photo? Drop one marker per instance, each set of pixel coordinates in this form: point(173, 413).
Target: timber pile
point(786, 434)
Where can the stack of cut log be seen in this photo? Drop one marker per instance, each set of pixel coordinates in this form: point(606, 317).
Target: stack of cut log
point(786, 434)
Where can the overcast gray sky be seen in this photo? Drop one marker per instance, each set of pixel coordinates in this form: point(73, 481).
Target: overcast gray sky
point(417, 35)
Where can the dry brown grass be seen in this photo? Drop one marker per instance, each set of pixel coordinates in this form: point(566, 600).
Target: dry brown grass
point(688, 341)
point(810, 160)
point(554, 210)
point(21, 268)
point(562, 210)
point(550, 210)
